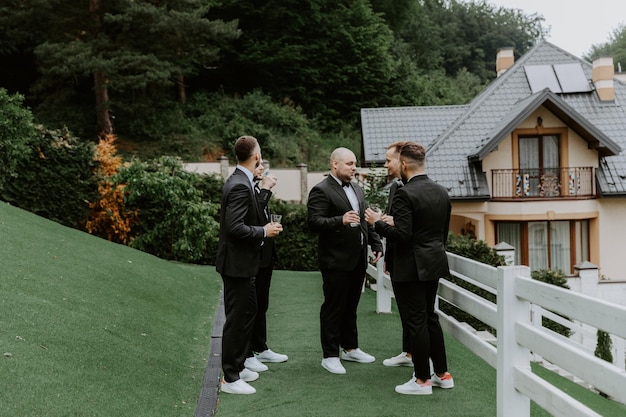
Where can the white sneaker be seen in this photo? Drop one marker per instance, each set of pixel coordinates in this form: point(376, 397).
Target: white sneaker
point(357, 355)
point(238, 387)
point(411, 387)
point(400, 360)
point(333, 365)
point(253, 364)
point(444, 382)
point(248, 375)
point(268, 356)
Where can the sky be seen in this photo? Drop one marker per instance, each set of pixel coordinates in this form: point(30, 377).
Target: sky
point(575, 25)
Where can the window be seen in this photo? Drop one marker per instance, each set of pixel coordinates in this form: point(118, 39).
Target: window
point(547, 244)
point(539, 164)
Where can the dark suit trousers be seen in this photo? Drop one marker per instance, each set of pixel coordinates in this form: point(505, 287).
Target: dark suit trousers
point(416, 304)
point(240, 308)
point(342, 292)
point(259, 332)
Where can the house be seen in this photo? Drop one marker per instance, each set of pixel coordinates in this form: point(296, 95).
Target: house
point(536, 160)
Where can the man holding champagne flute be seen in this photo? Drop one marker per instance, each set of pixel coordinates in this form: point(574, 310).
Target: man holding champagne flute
point(259, 351)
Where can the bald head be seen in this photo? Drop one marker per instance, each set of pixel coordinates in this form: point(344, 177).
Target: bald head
point(343, 164)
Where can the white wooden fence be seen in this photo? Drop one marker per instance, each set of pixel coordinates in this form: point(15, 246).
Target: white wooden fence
point(517, 337)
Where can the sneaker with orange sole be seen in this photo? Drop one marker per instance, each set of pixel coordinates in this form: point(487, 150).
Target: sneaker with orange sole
point(445, 381)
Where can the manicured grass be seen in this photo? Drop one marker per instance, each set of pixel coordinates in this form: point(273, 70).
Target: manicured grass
point(91, 328)
point(301, 387)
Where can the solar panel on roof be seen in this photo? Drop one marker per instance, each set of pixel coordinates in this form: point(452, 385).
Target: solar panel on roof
point(542, 76)
point(572, 78)
point(559, 78)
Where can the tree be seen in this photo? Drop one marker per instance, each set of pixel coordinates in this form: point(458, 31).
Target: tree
point(329, 57)
point(127, 51)
point(615, 47)
point(461, 36)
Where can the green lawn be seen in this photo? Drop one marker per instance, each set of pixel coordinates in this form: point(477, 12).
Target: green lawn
point(91, 328)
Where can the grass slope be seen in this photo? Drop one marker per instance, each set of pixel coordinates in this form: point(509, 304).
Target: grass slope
point(92, 328)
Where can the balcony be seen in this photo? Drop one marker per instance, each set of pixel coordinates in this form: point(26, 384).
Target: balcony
point(572, 182)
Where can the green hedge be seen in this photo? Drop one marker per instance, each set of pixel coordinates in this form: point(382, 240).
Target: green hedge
point(296, 247)
point(175, 211)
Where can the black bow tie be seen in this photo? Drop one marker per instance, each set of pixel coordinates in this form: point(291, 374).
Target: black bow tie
point(345, 184)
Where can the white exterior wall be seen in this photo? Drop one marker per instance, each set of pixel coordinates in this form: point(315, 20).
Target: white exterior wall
point(612, 227)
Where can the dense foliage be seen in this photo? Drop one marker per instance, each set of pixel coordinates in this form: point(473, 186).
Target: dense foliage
point(132, 66)
point(109, 217)
point(16, 129)
point(48, 172)
point(558, 278)
point(604, 346)
point(173, 220)
point(128, 55)
point(615, 47)
point(296, 247)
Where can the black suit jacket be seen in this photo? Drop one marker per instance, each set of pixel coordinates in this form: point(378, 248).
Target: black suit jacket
point(339, 245)
point(396, 183)
point(421, 213)
point(268, 250)
point(241, 228)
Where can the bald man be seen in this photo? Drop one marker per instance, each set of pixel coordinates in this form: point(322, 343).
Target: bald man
point(336, 208)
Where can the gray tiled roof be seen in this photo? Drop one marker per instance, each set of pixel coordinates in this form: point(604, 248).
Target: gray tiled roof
point(453, 134)
point(383, 126)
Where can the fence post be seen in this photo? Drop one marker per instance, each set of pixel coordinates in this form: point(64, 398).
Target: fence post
point(383, 294)
point(507, 251)
point(589, 277)
point(223, 166)
point(511, 309)
point(304, 183)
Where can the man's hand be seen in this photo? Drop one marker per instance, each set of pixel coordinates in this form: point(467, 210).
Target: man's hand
point(352, 218)
point(377, 256)
point(387, 219)
point(268, 182)
point(273, 229)
point(372, 216)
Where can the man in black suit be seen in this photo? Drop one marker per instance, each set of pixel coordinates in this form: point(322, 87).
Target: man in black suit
point(392, 163)
point(259, 352)
point(419, 233)
point(335, 213)
point(242, 234)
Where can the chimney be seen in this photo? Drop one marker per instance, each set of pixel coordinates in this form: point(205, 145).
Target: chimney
point(504, 60)
point(602, 77)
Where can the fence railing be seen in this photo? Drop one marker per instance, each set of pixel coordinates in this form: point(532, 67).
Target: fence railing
point(576, 182)
point(517, 336)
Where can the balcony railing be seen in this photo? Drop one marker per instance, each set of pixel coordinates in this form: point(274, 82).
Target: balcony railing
point(573, 182)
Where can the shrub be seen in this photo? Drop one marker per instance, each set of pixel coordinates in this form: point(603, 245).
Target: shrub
point(109, 218)
point(554, 277)
point(174, 222)
point(477, 250)
point(55, 178)
point(296, 247)
point(16, 130)
point(603, 347)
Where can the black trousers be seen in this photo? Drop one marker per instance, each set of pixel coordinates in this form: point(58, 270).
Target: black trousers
point(416, 304)
point(259, 332)
point(240, 308)
point(342, 292)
